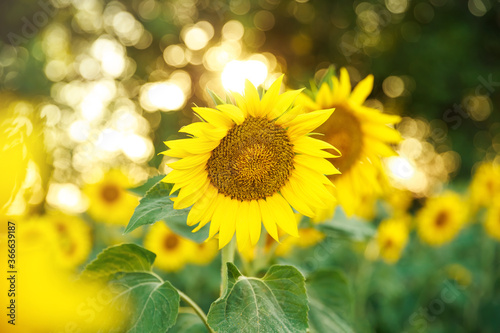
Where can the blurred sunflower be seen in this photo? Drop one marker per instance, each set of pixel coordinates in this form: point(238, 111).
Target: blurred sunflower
point(247, 164)
point(492, 223)
point(204, 253)
point(74, 239)
point(172, 251)
point(392, 237)
point(361, 133)
point(485, 185)
point(441, 219)
point(110, 202)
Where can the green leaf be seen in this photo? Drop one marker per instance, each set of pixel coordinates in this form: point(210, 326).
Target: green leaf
point(153, 303)
point(351, 227)
point(275, 303)
point(188, 323)
point(119, 258)
point(330, 302)
point(217, 100)
point(141, 190)
point(157, 206)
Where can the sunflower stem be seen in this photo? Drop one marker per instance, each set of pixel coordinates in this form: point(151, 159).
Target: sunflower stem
point(227, 256)
point(196, 309)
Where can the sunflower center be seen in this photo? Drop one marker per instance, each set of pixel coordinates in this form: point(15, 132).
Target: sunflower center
point(441, 220)
point(170, 242)
point(110, 193)
point(253, 161)
point(343, 130)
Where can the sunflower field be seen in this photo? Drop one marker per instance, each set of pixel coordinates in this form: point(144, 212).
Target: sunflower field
point(322, 166)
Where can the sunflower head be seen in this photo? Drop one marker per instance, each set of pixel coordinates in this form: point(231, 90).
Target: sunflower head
point(392, 237)
point(250, 163)
point(173, 251)
point(362, 134)
point(109, 200)
point(441, 219)
point(485, 185)
point(492, 223)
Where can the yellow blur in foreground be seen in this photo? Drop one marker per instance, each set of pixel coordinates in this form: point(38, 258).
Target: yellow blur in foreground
point(46, 296)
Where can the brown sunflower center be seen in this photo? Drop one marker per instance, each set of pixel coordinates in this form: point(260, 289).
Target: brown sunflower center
point(441, 220)
point(343, 130)
point(253, 161)
point(110, 193)
point(170, 242)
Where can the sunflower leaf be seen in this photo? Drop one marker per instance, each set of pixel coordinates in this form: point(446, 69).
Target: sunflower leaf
point(275, 303)
point(330, 302)
point(157, 206)
point(119, 258)
point(217, 100)
point(152, 304)
point(353, 228)
point(141, 190)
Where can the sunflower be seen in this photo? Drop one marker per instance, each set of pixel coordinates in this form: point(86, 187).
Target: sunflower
point(441, 219)
point(392, 237)
point(485, 185)
point(361, 133)
point(172, 251)
point(204, 253)
point(248, 163)
point(74, 239)
point(109, 200)
point(492, 223)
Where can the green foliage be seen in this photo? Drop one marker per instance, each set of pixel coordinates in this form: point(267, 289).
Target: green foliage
point(152, 304)
point(141, 190)
point(354, 228)
point(120, 258)
point(330, 302)
point(157, 206)
point(275, 303)
point(188, 323)
point(155, 302)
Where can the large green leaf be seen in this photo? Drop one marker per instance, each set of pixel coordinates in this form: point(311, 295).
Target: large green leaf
point(330, 302)
point(119, 258)
point(275, 303)
point(188, 323)
point(157, 206)
point(353, 228)
point(153, 304)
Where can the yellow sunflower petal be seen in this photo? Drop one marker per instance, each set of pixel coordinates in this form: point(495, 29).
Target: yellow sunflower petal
point(233, 112)
point(270, 97)
point(193, 146)
point(283, 214)
point(345, 84)
point(325, 97)
point(311, 146)
point(382, 133)
point(228, 226)
point(316, 163)
point(188, 196)
point(284, 102)
point(204, 131)
point(268, 219)
point(201, 206)
point(292, 197)
point(289, 115)
point(254, 221)
point(253, 100)
point(305, 123)
point(243, 226)
point(308, 103)
point(190, 161)
point(362, 90)
point(214, 117)
point(241, 103)
point(218, 217)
